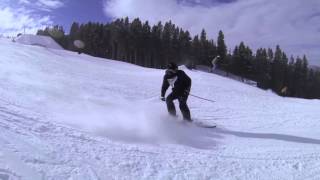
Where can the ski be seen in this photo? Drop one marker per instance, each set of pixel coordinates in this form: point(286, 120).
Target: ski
point(205, 125)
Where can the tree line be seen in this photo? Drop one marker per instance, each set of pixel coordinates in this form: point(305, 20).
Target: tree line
point(154, 46)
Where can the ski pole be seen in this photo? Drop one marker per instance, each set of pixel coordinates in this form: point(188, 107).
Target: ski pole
point(202, 98)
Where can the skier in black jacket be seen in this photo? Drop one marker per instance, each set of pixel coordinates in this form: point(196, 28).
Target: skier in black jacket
point(181, 84)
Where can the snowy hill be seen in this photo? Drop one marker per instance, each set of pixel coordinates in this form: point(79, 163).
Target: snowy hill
point(70, 116)
point(37, 40)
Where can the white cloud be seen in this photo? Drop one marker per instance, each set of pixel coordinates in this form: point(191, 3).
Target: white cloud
point(294, 24)
point(14, 21)
point(24, 2)
point(26, 15)
point(48, 5)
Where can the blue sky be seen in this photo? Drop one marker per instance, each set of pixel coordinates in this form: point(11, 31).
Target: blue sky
point(294, 24)
point(58, 12)
point(80, 11)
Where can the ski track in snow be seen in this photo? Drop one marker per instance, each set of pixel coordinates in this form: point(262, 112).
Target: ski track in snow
point(74, 117)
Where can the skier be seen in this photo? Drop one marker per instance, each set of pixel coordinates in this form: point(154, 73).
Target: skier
point(181, 84)
point(213, 62)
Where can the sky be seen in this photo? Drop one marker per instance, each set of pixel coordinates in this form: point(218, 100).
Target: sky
point(293, 24)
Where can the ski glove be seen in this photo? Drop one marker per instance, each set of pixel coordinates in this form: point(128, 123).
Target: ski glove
point(187, 91)
point(163, 99)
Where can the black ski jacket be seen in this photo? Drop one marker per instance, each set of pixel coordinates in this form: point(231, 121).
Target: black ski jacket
point(181, 86)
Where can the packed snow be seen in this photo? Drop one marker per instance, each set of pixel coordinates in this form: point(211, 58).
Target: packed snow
point(76, 117)
point(38, 40)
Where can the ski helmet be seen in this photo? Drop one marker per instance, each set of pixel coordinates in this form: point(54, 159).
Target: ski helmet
point(172, 66)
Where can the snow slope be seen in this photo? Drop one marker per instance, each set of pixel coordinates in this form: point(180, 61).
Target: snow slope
point(38, 40)
point(75, 117)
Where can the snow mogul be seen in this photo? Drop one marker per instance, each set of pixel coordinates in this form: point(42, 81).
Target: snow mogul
point(181, 85)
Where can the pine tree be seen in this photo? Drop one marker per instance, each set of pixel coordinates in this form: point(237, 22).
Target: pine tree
point(236, 61)
point(185, 45)
point(204, 49)
point(242, 56)
point(263, 79)
point(221, 48)
point(175, 49)
point(196, 50)
point(73, 36)
point(136, 37)
point(278, 70)
point(298, 84)
point(167, 42)
point(146, 40)
point(155, 46)
point(74, 31)
point(270, 54)
point(304, 74)
point(290, 76)
point(157, 53)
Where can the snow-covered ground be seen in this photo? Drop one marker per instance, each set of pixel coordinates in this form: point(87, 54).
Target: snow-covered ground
point(38, 40)
point(75, 117)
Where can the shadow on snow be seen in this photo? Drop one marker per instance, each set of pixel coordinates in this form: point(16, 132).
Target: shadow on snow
point(281, 137)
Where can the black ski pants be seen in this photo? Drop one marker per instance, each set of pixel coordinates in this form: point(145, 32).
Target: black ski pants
point(182, 105)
